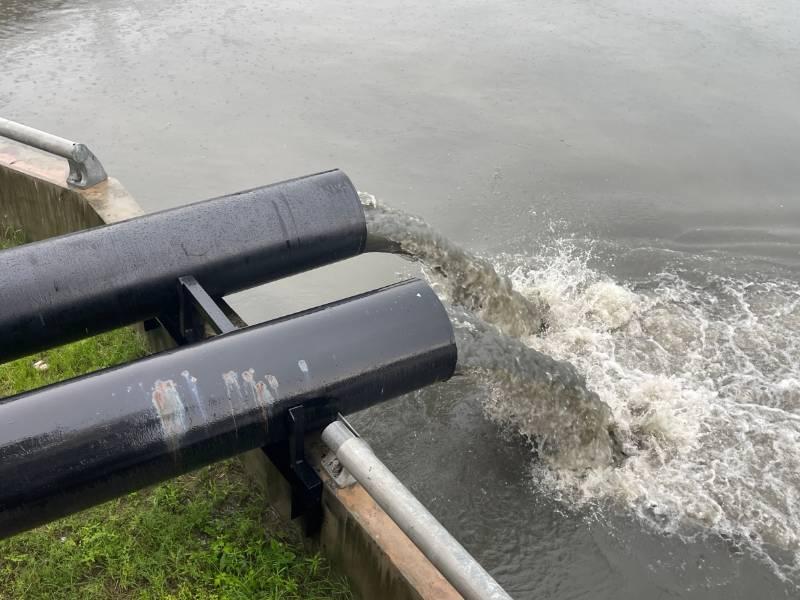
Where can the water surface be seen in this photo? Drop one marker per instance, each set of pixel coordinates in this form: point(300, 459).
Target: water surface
point(636, 162)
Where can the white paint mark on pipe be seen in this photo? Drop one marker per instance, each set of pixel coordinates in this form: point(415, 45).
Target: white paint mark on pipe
point(272, 381)
point(191, 383)
point(232, 390)
point(170, 409)
point(256, 390)
point(231, 379)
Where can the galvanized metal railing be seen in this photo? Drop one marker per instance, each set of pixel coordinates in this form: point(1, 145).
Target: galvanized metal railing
point(445, 552)
point(85, 169)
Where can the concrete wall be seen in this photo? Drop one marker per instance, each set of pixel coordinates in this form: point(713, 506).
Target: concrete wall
point(357, 536)
point(34, 195)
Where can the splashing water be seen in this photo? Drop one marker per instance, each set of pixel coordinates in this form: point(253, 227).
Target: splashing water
point(544, 400)
point(702, 375)
point(462, 278)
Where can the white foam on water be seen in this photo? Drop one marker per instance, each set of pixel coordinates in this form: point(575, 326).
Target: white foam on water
point(702, 374)
point(543, 400)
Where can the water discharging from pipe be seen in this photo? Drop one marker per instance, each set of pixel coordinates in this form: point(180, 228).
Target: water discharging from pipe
point(464, 279)
point(544, 400)
point(693, 372)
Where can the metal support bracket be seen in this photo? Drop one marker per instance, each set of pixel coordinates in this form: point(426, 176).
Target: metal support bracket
point(330, 462)
point(306, 485)
point(308, 495)
point(85, 169)
point(196, 309)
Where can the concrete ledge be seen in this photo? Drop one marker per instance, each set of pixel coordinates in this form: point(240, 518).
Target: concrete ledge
point(357, 536)
point(35, 197)
point(359, 539)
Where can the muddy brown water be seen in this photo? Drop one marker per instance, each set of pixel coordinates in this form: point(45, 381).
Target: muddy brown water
point(636, 164)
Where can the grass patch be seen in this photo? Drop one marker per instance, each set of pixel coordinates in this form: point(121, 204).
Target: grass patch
point(78, 358)
point(199, 536)
point(208, 534)
point(10, 236)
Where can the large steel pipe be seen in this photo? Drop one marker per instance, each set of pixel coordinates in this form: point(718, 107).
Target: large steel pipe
point(75, 444)
point(65, 288)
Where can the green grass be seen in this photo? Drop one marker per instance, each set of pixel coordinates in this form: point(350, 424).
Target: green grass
point(199, 536)
point(105, 350)
point(208, 534)
point(10, 236)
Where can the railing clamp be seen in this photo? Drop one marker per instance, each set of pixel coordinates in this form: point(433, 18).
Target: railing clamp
point(85, 169)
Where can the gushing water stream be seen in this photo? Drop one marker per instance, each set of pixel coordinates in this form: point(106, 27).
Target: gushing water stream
point(544, 400)
point(691, 376)
point(463, 278)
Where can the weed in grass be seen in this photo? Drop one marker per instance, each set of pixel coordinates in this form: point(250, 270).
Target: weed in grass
point(10, 236)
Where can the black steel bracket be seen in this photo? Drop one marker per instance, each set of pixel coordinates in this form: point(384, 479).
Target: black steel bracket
point(196, 309)
point(306, 485)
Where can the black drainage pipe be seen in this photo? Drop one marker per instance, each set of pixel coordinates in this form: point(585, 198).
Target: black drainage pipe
point(62, 289)
point(75, 444)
